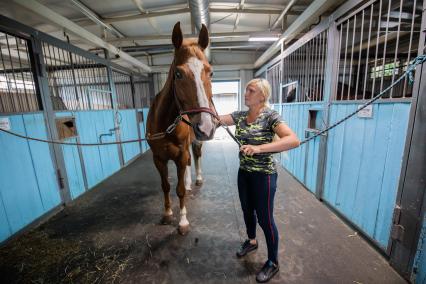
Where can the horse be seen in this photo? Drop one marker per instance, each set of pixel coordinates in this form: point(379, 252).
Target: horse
point(185, 97)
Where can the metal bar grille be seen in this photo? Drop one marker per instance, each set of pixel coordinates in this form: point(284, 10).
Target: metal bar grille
point(376, 46)
point(273, 77)
point(17, 88)
point(76, 82)
point(142, 93)
point(123, 89)
point(303, 71)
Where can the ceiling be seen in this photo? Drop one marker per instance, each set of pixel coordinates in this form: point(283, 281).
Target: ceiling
point(142, 28)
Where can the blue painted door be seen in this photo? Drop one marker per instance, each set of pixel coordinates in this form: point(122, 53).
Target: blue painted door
point(129, 131)
point(28, 184)
point(301, 162)
point(99, 161)
point(363, 166)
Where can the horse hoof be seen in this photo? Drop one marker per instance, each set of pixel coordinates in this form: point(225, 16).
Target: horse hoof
point(199, 182)
point(167, 220)
point(183, 230)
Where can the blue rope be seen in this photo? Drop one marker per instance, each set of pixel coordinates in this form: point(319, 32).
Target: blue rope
point(409, 72)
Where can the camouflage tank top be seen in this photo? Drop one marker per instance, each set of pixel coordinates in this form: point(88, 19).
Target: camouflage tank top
point(256, 133)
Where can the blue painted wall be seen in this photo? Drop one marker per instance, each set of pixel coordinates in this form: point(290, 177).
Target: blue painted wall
point(296, 116)
point(28, 185)
point(129, 131)
point(99, 161)
point(364, 158)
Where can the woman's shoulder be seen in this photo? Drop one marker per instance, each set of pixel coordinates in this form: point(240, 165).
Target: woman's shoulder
point(268, 112)
point(239, 113)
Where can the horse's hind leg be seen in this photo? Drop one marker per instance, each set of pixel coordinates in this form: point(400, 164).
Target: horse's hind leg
point(196, 151)
point(161, 166)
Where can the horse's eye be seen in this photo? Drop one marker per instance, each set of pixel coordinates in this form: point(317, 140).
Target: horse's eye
point(178, 75)
point(211, 74)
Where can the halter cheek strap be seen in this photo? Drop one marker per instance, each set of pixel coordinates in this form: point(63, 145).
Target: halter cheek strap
point(195, 110)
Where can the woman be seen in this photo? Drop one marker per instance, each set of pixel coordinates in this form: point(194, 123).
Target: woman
point(257, 175)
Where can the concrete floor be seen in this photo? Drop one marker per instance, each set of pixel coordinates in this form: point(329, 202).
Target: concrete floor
point(113, 234)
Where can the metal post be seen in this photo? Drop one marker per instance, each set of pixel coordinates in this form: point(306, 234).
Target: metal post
point(330, 81)
point(115, 108)
point(411, 198)
point(40, 75)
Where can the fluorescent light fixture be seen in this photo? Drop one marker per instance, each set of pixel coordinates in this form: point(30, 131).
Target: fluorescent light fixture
point(263, 38)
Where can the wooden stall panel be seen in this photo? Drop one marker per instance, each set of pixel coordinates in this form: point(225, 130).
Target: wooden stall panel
point(363, 164)
point(129, 131)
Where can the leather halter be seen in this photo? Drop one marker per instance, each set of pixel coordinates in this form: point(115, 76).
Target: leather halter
point(194, 110)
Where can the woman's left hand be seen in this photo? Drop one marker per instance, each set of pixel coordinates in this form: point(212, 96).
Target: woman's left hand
point(250, 150)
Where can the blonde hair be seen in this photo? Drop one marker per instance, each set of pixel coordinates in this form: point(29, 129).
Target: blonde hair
point(263, 86)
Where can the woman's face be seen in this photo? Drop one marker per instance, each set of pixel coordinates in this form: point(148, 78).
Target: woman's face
point(253, 96)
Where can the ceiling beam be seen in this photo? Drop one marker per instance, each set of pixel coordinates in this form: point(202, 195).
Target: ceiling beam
point(283, 13)
point(230, 67)
point(95, 18)
point(248, 11)
point(213, 36)
point(151, 21)
point(303, 21)
point(130, 16)
point(237, 18)
point(110, 20)
point(70, 26)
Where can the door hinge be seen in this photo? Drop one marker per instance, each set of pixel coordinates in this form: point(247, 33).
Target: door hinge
point(397, 232)
point(60, 179)
point(396, 214)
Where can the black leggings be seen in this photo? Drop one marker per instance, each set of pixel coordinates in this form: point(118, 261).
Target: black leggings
point(257, 192)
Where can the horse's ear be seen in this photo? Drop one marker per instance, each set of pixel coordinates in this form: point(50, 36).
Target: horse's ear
point(177, 36)
point(203, 37)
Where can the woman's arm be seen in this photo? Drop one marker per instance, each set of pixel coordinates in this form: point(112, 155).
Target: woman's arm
point(226, 119)
point(288, 140)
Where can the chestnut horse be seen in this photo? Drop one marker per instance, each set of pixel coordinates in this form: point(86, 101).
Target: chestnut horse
point(188, 88)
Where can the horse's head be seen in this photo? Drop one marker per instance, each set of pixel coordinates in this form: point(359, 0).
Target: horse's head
point(192, 75)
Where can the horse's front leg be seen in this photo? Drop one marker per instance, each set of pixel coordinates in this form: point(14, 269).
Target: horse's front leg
point(161, 166)
point(196, 151)
point(181, 166)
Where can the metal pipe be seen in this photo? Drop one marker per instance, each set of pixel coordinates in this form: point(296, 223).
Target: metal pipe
point(95, 18)
point(200, 15)
point(283, 13)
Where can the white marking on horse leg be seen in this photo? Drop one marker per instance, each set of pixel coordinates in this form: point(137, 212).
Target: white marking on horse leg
point(197, 66)
point(168, 212)
point(198, 169)
point(183, 221)
point(187, 178)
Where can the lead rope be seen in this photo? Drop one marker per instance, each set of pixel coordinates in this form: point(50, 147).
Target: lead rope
point(409, 72)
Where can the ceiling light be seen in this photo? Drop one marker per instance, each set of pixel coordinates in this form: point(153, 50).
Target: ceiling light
point(264, 38)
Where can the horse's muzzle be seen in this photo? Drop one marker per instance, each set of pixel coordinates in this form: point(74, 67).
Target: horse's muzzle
point(201, 135)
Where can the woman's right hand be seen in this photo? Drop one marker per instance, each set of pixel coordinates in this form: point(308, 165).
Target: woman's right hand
point(226, 119)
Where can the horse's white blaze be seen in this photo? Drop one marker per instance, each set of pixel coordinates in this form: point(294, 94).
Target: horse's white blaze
point(198, 169)
point(187, 178)
point(168, 212)
point(183, 221)
point(196, 66)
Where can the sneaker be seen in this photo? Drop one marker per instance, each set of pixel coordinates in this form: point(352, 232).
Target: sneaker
point(268, 270)
point(245, 248)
